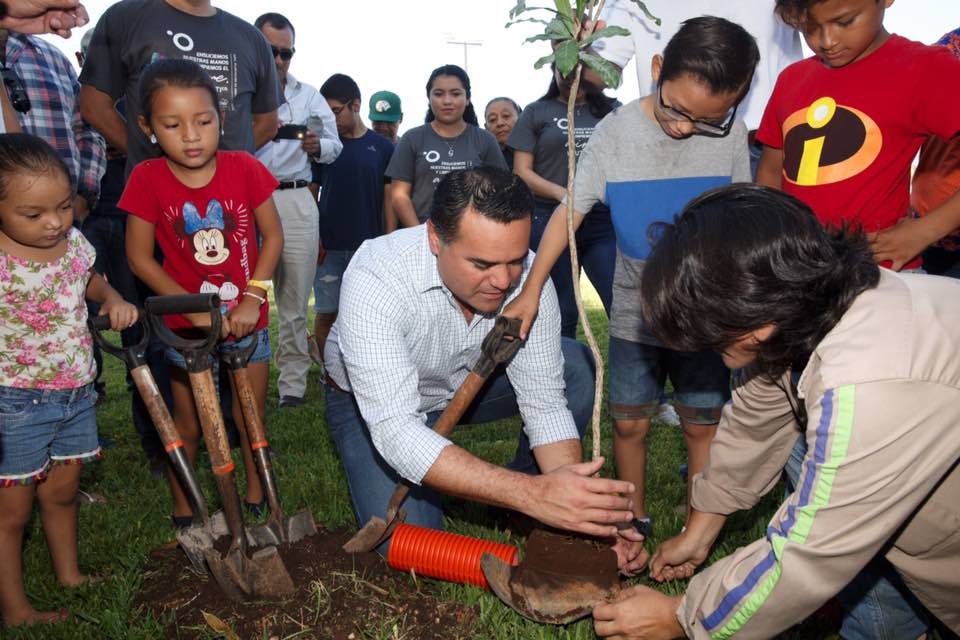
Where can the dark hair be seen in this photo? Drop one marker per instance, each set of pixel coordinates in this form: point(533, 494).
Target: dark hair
point(745, 256)
point(719, 52)
point(173, 72)
point(598, 102)
point(492, 192)
point(275, 20)
point(24, 153)
point(469, 115)
point(513, 104)
point(794, 12)
point(341, 88)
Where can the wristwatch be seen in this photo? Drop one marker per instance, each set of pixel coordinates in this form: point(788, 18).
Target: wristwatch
point(643, 526)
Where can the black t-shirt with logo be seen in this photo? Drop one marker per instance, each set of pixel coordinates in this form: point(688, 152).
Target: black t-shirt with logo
point(133, 33)
point(422, 157)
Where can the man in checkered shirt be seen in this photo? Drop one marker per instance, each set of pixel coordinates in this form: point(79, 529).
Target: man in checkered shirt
point(414, 308)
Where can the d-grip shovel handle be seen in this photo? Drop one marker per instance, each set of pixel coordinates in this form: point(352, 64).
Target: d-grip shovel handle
point(134, 355)
point(195, 349)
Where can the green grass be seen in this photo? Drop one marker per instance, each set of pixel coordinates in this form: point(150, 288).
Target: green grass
point(116, 538)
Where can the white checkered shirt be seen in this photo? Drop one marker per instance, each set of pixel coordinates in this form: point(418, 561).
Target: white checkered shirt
point(402, 346)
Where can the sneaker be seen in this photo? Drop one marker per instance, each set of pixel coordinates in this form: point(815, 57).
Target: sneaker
point(291, 401)
point(668, 415)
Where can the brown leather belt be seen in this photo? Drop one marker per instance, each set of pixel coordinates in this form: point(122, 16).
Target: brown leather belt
point(334, 385)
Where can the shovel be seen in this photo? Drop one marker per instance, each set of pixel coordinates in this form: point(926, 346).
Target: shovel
point(278, 528)
point(499, 346)
point(238, 574)
point(134, 357)
point(559, 580)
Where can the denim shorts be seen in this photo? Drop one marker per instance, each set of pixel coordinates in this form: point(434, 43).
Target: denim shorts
point(40, 427)
point(261, 354)
point(326, 282)
point(701, 382)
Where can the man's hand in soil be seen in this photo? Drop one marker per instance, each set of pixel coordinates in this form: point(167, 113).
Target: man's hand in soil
point(632, 557)
point(43, 16)
point(570, 498)
point(639, 613)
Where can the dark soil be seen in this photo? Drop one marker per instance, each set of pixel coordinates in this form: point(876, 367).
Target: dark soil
point(339, 596)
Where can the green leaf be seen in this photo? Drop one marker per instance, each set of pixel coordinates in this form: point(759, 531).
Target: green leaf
point(566, 57)
point(519, 8)
point(608, 72)
point(558, 27)
point(643, 7)
point(606, 32)
point(545, 36)
point(542, 61)
point(519, 20)
point(580, 5)
point(563, 8)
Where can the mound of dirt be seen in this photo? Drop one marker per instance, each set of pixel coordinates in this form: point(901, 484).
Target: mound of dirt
point(339, 596)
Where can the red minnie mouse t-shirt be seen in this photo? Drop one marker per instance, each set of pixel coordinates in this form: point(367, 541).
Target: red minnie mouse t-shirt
point(208, 235)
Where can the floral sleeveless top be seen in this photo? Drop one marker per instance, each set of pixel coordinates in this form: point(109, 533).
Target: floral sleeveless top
point(43, 319)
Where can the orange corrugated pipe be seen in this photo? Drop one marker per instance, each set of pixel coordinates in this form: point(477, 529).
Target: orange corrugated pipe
point(444, 555)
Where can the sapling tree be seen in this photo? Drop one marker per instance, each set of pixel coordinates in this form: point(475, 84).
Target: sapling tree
point(571, 29)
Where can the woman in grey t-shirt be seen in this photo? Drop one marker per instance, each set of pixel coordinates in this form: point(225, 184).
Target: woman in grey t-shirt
point(539, 142)
point(451, 139)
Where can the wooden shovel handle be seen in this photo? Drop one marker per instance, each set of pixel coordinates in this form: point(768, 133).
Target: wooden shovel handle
point(156, 407)
point(211, 421)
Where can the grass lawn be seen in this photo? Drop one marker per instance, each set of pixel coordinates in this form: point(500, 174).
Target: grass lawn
point(115, 538)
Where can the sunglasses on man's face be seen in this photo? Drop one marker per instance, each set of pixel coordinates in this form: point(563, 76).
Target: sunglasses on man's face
point(283, 54)
point(15, 90)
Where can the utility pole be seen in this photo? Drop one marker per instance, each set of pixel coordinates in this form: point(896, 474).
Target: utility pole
point(465, 44)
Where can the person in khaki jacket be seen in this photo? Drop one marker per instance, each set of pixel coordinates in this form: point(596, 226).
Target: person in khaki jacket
point(749, 272)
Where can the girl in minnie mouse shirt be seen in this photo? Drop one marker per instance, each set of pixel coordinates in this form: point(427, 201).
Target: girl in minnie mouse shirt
point(203, 208)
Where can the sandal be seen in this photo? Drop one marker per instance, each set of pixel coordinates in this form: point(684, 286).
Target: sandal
point(85, 498)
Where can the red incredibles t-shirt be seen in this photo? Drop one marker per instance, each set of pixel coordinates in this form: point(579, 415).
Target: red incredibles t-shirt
point(208, 236)
point(850, 134)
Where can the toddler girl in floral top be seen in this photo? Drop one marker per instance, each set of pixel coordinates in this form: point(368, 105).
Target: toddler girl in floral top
point(47, 422)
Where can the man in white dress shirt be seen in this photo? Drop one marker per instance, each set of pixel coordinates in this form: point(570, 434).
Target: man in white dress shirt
point(307, 132)
point(415, 306)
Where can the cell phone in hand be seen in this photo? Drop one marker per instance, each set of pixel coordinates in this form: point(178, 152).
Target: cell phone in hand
point(291, 132)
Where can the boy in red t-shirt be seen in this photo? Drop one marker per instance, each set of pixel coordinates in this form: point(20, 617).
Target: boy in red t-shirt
point(842, 128)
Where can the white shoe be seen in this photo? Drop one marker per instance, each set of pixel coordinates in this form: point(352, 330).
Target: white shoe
point(668, 415)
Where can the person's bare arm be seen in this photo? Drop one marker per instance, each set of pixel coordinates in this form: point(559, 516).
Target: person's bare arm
point(523, 167)
point(43, 16)
point(389, 217)
point(566, 497)
point(770, 168)
point(265, 127)
point(400, 197)
point(908, 238)
point(98, 109)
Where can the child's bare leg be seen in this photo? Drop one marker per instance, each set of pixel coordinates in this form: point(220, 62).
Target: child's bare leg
point(258, 373)
point(58, 511)
point(188, 426)
point(698, 438)
point(630, 453)
point(15, 506)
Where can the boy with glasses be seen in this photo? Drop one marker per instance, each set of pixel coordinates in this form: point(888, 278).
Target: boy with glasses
point(645, 160)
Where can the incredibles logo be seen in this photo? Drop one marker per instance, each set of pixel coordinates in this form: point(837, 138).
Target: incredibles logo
point(827, 143)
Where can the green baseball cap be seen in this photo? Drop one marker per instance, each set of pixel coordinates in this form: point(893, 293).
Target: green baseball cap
point(385, 107)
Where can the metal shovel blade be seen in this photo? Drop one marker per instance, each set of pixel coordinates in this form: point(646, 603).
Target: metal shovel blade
point(280, 530)
point(542, 591)
point(372, 534)
point(261, 575)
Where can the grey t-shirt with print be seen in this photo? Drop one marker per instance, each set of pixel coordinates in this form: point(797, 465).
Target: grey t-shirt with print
point(422, 157)
point(645, 177)
point(133, 33)
point(542, 131)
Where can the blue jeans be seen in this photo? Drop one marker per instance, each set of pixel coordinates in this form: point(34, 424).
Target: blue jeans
point(40, 427)
point(326, 282)
point(372, 480)
point(877, 605)
point(597, 250)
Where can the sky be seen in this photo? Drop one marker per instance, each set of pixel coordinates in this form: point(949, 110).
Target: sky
point(385, 44)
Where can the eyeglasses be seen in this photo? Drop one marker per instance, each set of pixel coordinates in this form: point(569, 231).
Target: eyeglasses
point(285, 54)
point(716, 128)
point(337, 110)
point(15, 90)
